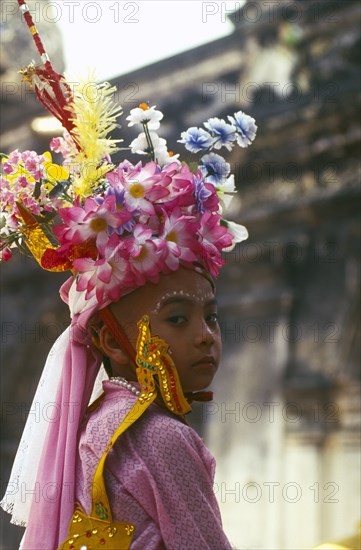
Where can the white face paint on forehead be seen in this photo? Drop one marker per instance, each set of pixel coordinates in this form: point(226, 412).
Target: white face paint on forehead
point(199, 297)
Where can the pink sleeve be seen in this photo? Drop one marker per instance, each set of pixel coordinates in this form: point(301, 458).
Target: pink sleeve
point(174, 485)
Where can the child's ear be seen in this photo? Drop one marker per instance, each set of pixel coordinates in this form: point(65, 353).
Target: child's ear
point(111, 348)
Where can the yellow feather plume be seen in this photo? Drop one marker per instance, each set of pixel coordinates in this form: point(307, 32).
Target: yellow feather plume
point(94, 116)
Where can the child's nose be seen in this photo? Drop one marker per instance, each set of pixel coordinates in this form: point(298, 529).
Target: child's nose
point(204, 333)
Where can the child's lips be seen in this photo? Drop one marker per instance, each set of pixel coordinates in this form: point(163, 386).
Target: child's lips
point(205, 361)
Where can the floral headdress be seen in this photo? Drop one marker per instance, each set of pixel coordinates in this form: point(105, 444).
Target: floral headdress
point(117, 227)
point(114, 227)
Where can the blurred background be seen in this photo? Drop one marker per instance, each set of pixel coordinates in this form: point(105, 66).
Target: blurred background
point(285, 422)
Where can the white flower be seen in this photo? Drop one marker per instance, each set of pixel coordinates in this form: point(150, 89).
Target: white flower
point(228, 186)
point(145, 115)
point(140, 144)
point(8, 224)
point(163, 157)
point(239, 233)
point(226, 191)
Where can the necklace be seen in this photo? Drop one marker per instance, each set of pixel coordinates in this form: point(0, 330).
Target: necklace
point(125, 384)
point(120, 381)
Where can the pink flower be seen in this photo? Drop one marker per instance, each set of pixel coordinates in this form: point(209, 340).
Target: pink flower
point(107, 277)
point(10, 164)
point(15, 156)
point(34, 165)
point(145, 255)
point(142, 185)
point(8, 168)
point(182, 188)
point(93, 221)
point(118, 176)
point(190, 190)
point(64, 145)
point(213, 238)
point(5, 253)
point(6, 197)
point(180, 242)
point(31, 204)
point(212, 232)
point(23, 182)
point(55, 144)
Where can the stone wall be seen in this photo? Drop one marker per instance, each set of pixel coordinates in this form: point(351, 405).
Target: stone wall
point(286, 423)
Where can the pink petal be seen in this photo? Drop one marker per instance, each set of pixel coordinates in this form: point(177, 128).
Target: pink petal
point(104, 273)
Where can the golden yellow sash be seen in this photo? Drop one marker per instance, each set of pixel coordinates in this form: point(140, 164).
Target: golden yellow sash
point(98, 530)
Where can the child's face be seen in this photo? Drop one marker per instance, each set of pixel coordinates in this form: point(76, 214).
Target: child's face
point(183, 312)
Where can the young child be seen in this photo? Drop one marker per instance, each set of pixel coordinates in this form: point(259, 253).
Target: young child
point(143, 244)
point(159, 474)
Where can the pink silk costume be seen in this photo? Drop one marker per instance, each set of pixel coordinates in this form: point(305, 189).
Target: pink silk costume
point(159, 476)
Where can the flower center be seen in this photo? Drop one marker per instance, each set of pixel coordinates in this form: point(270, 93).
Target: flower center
point(142, 255)
point(137, 191)
point(98, 224)
point(172, 236)
point(144, 106)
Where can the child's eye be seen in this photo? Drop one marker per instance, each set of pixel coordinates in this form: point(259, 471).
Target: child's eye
point(177, 319)
point(213, 318)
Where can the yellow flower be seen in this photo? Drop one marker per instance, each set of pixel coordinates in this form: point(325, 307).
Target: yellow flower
point(54, 172)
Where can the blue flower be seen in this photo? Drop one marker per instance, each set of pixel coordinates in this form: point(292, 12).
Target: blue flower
point(246, 128)
point(201, 193)
point(215, 169)
point(223, 134)
point(119, 195)
point(196, 139)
